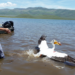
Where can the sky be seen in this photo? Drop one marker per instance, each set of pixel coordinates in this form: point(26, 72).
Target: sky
point(51, 4)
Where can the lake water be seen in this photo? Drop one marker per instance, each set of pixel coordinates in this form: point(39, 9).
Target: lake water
point(19, 46)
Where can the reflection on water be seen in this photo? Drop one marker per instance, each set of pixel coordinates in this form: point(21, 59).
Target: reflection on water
point(19, 46)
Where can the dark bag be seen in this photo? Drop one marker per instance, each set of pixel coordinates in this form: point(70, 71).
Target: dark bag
point(8, 24)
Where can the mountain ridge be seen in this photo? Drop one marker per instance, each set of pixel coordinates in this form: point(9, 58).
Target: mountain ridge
point(38, 12)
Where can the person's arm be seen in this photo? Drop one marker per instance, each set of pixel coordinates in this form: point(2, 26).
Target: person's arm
point(6, 29)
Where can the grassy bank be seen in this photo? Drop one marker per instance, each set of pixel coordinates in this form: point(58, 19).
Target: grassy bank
point(38, 17)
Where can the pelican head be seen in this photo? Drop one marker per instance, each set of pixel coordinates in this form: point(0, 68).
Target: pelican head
point(55, 42)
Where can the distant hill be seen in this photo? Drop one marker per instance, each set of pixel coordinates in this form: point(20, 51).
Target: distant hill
point(38, 12)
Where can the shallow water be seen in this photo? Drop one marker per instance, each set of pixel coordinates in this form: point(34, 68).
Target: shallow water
point(19, 46)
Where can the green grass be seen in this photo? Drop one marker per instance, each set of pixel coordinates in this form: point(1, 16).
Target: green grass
point(43, 17)
point(39, 17)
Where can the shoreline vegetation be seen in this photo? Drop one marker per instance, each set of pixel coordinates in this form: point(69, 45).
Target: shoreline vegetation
point(38, 13)
point(43, 17)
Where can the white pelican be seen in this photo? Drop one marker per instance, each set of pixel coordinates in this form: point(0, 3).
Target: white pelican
point(44, 50)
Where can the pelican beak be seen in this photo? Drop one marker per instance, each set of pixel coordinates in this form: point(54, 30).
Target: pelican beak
point(57, 43)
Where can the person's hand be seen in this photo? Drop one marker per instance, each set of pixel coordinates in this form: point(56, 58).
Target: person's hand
point(7, 30)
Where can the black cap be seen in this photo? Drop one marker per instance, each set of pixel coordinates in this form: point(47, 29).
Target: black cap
point(43, 37)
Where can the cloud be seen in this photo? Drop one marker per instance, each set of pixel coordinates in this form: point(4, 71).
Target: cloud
point(8, 4)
